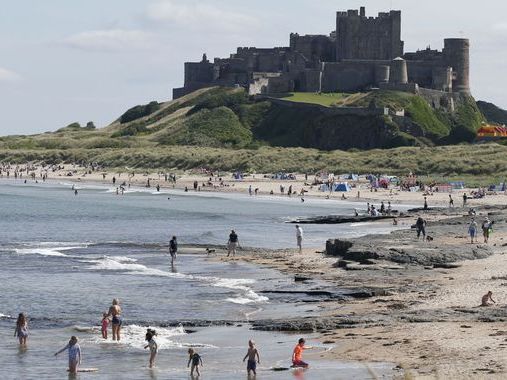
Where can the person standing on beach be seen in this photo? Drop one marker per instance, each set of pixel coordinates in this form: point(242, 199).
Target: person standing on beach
point(251, 354)
point(465, 199)
point(74, 355)
point(472, 231)
point(232, 244)
point(486, 229)
point(21, 331)
point(173, 249)
point(420, 226)
point(425, 203)
point(115, 312)
point(451, 201)
point(299, 238)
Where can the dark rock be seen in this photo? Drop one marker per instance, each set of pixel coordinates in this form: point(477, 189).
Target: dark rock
point(337, 247)
point(340, 219)
point(446, 266)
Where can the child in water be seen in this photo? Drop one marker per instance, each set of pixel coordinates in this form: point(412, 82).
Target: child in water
point(297, 355)
point(251, 354)
point(21, 331)
point(105, 324)
point(152, 344)
point(195, 359)
point(74, 354)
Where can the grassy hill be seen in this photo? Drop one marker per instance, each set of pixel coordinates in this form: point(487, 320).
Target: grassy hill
point(226, 129)
point(493, 113)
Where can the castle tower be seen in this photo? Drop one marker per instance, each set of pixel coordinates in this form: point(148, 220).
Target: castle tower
point(399, 72)
point(368, 38)
point(457, 55)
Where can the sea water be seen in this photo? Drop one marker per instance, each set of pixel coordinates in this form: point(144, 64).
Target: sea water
point(63, 258)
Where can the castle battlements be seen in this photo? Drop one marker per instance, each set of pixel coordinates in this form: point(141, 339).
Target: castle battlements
point(363, 52)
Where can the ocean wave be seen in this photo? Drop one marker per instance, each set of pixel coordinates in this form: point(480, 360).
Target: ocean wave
point(118, 263)
point(55, 252)
point(133, 336)
point(5, 316)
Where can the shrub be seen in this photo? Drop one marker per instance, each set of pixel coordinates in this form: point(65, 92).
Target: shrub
point(138, 112)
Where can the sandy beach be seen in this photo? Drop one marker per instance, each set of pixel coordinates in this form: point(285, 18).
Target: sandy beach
point(361, 190)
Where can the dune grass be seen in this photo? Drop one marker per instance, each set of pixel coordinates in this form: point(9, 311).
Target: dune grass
point(476, 164)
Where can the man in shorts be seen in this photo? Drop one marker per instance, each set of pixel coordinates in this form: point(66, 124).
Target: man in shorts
point(232, 244)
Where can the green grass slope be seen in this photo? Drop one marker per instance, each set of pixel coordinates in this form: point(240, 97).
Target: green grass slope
point(226, 129)
point(493, 113)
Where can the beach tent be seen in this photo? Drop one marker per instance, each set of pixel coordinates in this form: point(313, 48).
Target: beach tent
point(342, 187)
point(351, 177)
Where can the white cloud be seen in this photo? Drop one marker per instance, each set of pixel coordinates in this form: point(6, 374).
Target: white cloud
point(8, 75)
point(196, 15)
point(113, 40)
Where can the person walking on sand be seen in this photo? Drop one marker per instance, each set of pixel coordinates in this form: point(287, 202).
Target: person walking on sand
point(486, 298)
point(297, 355)
point(195, 359)
point(299, 238)
point(486, 229)
point(232, 244)
point(21, 331)
point(420, 226)
point(251, 354)
point(465, 199)
point(115, 312)
point(74, 355)
point(451, 201)
point(173, 249)
point(425, 203)
point(152, 345)
point(472, 231)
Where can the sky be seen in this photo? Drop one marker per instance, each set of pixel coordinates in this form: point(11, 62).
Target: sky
point(63, 61)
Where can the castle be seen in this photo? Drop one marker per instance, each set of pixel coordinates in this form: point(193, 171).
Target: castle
point(361, 54)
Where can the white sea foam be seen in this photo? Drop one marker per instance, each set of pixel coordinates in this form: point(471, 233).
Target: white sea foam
point(4, 316)
point(134, 336)
point(45, 251)
point(54, 249)
point(119, 263)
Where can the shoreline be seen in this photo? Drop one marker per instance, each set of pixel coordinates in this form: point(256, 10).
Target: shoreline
point(360, 192)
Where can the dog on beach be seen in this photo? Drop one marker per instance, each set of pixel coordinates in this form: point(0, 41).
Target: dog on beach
point(208, 251)
point(429, 238)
